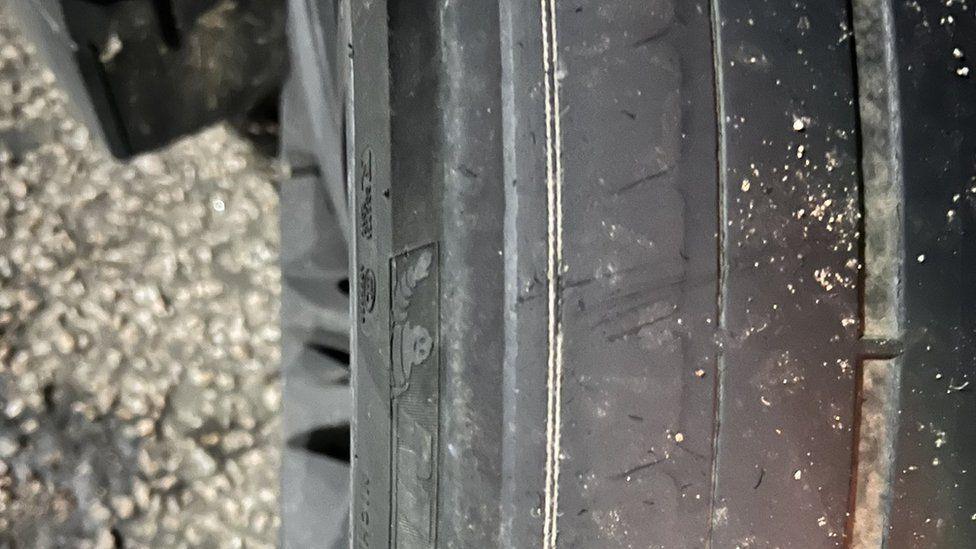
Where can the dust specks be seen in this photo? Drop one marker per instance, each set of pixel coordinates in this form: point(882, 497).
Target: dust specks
point(800, 123)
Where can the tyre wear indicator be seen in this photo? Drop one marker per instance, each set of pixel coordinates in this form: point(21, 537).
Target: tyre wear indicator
point(414, 397)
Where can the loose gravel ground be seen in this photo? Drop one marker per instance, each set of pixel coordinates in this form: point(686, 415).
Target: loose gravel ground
point(138, 332)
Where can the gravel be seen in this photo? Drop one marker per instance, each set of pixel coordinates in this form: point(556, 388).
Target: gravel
point(138, 332)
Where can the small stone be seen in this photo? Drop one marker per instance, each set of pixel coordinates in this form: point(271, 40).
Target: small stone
point(29, 426)
point(111, 48)
point(679, 437)
point(149, 164)
point(17, 189)
point(797, 475)
point(78, 138)
point(64, 343)
point(14, 408)
point(200, 463)
point(104, 539)
point(124, 506)
point(145, 427)
point(166, 482)
point(99, 512)
point(8, 447)
point(140, 493)
point(235, 441)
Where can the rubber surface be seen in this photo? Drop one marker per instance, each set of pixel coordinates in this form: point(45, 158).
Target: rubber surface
point(934, 489)
point(644, 222)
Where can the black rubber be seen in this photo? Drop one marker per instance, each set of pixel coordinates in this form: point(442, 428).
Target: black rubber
point(934, 488)
point(611, 270)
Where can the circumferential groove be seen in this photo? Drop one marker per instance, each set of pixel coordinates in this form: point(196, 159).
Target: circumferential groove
point(718, 389)
point(882, 192)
